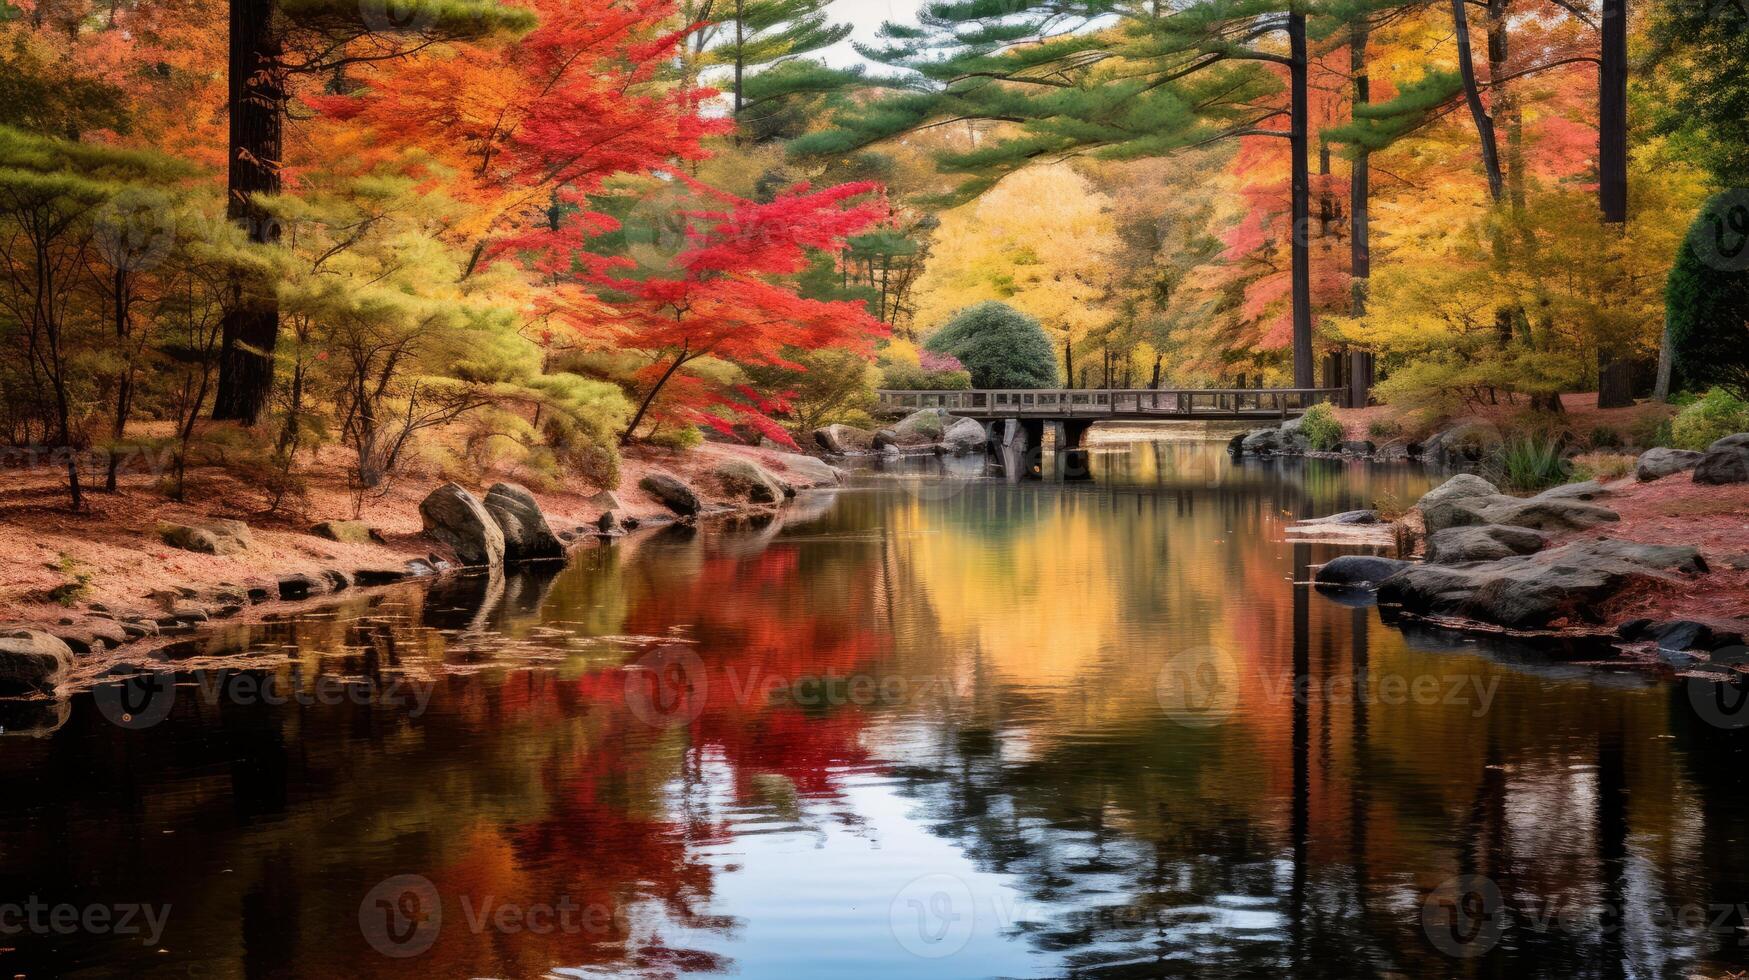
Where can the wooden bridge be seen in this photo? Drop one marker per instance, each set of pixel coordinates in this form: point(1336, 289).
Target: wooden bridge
point(1094, 404)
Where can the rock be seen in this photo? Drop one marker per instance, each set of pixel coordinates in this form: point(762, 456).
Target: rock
point(605, 500)
point(1723, 466)
point(845, 440)
point(1545, 515)
point(338, 581)
point(219, 537)
point(1236, 445)
point(965, 437)
point(1261, 441)
point(1657, 463)
point(36, 718)
point(1488, 542)
point(1357, 447)
point(91, 635)
point(924, 425)
point(1346, 517)
point(32, 662)
point(301, 586)
point(1588, 490)
point(420, 568)
point(1358, 571)
point(1738, 561)
point(346, 532)
point(1738, 440)
point(1691, 634)
point(745, 478)
point(457, 518)
point(805, 472)
point(671, 492)
point(1534, 591)
point(608, 523)
point(1461, 487)
point(521, 521)
point(189, 612)
point(380, 576)
point(1466, 442)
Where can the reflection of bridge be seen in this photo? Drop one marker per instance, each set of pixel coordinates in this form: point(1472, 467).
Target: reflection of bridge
point(1112, 403)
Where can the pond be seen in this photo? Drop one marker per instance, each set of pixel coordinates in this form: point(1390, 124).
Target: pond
point(933, 725)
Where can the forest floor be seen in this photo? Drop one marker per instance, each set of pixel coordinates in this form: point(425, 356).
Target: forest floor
point(44, 544)
point(1580, 414)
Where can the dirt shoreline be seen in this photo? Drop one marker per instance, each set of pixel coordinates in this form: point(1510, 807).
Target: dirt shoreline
point(139, 594)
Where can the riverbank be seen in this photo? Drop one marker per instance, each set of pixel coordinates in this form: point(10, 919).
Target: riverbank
point(107, 575)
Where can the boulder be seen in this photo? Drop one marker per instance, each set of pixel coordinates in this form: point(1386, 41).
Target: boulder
point(965, 437)
point(671, 492)
point(605, 500)
point(219, 537)
point(1537, 590)
point(93, 635)
point(845, 440)
point(1657, 463)
point(805, 472)
point(380, 576)
point(1236, 445)
point(1739, 440)
point(1261, 441)
point(1722, 466)
point(608, 523)
point(1588, 490)
point(520, 520)
point(457, 518)
point(1488, 542)
point(1691, 634)
point(1545, 514)
point(1346, 517)
point(32, 662)
point(1358, 571)
point(346, 532)
point(1460, 487)
point(1467, 442)
point(745, 478)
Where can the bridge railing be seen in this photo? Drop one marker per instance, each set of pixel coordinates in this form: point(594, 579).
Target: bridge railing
point(1105, 402)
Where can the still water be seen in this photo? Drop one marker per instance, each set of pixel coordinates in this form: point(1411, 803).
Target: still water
point(934, 725)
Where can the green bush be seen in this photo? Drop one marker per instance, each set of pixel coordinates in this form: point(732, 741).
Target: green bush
point(1001, 347)
point(1706, 299)
point(1714, 414)
point(1384, 428)
point(1320, 427)
point(1604, 437)
point(905, 377)
point(1530, 463)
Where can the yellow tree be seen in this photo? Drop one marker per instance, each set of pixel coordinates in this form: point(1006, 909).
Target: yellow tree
point(1042, 241)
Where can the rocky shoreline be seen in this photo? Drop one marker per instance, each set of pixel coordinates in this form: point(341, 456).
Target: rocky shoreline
point(1543, 566)
point(507, 527)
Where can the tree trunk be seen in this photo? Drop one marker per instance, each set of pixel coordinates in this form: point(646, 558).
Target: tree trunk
point(740, 56)
point(1069, 360)
point(1612, 113)
point(257, 106)
point(1359, 212)
point(124, 385)
point(1661, 387)
point(1615, 381)
point(1302, 205)
point(1460, 20)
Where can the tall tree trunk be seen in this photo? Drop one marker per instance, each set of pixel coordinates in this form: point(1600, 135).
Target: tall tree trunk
point(1612, 113)
point(1460, 19)
point(740, 56)
point(1359, 178)
point(1302, 205)
point(257, 105)
point(1069, 360)
point(1661, 387)
point(124, 385)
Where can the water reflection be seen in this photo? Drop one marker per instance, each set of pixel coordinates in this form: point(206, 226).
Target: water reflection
point(958, 729)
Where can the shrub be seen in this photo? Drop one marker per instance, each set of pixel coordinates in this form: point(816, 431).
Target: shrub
point(1604, 437)
point(1602, 466)
point(1001, 347)
point(1706, 299)
point(1716, 413)
point(1530, 463)
point(905, 377)
point(1320, 427)
point(1384, 428)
